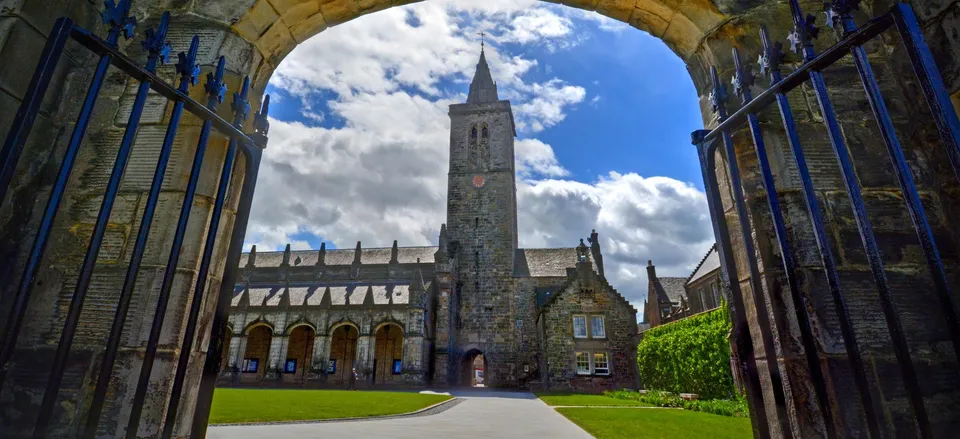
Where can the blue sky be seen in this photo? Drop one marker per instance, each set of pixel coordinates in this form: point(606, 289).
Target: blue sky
point(359, 138)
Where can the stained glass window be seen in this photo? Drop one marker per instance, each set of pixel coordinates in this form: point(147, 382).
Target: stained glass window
point(580, 326)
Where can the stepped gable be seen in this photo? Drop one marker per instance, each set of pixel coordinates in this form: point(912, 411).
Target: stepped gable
point(576, 276)
point(709, 263)
point(546, 262)
point(368, 256)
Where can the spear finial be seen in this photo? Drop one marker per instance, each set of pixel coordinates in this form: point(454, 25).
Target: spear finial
point(156, 44)
point(718, 97)
point(187, 65)
point(743, 79)
point(215, 87)
point(117, 16)
point(772, 55)
point(241, 106)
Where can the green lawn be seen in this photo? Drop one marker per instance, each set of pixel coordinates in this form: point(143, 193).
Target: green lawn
point(583, 399)
point(657, 423)
point(258, 405)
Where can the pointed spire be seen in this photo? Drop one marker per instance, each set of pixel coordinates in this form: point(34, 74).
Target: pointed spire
point(443, 238)
point(286, 257)
point(395, 253)
point(322, 257)
point(356, 254)
point(244, 301)
point(285, 297)
point(482, 89)
point(252, 257)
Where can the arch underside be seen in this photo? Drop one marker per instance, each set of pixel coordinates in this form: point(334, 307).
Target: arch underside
point(275, 27)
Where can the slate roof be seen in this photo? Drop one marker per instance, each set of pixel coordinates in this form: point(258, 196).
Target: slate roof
point(709, 264)
point(312, 295)
point(546, 262)
point(670, 289)
point(344, 256)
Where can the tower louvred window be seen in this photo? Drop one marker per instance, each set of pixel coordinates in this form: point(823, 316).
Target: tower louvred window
point(485, 133)
point(473, 133)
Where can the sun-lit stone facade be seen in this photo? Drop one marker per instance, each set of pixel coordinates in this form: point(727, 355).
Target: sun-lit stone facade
point(412, 316)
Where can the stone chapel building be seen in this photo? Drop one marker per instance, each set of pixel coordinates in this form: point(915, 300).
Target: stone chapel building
point(417, 316)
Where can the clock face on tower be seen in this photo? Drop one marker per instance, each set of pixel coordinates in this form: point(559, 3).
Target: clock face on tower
point(479, 181)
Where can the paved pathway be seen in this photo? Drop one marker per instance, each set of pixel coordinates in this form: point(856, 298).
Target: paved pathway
point(482, 415)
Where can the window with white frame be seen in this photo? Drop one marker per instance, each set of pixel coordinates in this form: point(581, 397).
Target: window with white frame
point(580, 326)
point(583, 363)
point(601, 364)
point(597, 330)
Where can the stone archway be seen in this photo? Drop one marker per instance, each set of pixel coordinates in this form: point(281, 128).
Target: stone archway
point(299, 353)
point(256, 358)
point(388, 350)
point(255, 35)
point(472, 362)
point(343, 353)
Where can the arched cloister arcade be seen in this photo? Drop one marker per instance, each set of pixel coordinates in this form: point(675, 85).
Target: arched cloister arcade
point(255, 36)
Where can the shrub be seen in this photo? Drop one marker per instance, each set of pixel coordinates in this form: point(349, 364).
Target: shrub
point(691, 355)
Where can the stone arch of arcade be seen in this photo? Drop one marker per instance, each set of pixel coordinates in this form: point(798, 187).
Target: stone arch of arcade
point(255, 35)
point(388, 354)
point(343, 352)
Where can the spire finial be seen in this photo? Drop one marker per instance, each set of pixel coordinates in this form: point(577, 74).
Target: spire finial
point(482, 34)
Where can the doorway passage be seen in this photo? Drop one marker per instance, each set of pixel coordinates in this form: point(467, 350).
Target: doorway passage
point(473, 368)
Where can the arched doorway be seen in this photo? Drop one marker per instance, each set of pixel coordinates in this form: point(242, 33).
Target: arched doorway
point(299, 353)
point(256, 358)
point(388, 354)
point(343, 353)
point(473, 369)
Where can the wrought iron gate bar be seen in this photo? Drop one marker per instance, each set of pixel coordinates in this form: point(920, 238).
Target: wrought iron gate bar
point(868, 238)
point(241, 106)
point(188, 71)
point(719, 100)
point(22, 296)
point(728, 273)
point(840, 14)
point(121, 24)
point(123, 62)
point(211, 367)
point(801, 74)
point(770, 64)
point(32, 100)
point(921, 59)
point(743, 79)
point(156, 46)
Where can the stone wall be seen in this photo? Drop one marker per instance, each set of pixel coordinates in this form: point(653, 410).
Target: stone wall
point(589, 295)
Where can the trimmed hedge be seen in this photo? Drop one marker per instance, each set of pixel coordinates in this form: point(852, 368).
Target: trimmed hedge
point(736, 408)
point(689, 356)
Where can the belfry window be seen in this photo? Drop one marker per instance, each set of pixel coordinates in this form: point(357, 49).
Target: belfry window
point(485, 133)
point(473, 133)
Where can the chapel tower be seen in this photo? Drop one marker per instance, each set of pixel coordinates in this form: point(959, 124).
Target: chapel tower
point(482, 226)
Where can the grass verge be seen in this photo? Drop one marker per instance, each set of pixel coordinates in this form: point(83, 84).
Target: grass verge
point(560, 398)
point(657, 423)
point(266, 405)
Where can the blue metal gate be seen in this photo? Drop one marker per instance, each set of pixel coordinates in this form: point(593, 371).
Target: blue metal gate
point(117, 17)
point(902, 18)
